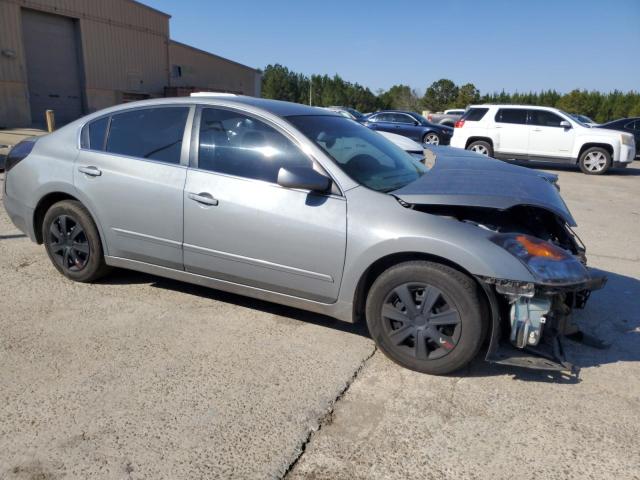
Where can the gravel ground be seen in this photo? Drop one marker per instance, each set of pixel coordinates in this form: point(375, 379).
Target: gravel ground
point(141, 377)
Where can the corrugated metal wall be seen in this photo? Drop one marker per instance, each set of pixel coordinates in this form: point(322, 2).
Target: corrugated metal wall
point(125, 49)
point(204, 70)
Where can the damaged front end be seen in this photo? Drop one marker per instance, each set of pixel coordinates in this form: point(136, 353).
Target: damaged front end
point(532, 319)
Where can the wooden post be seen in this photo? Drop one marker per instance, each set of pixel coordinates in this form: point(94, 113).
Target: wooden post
point(51, 120)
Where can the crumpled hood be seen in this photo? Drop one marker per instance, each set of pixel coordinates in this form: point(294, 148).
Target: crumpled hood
point(485, 182)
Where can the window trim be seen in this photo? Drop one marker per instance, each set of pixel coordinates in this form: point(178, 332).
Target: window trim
point(631, 125)
point(530, 118)
point(194, 145)
point(500, 109)
point(184, 152)
point(411, 122)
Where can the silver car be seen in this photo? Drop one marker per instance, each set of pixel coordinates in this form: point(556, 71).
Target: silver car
point(303, 207)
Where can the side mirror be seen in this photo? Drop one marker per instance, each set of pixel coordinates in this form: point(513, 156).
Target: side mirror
point(416, 123)
point(305, 178)
point(565, 124)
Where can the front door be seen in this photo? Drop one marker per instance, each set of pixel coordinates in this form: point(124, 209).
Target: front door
point(129, 172)
point(547, 139)
point(241, 226)
point(513, 132)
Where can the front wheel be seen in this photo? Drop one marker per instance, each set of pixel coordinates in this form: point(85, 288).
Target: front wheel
point(595, 161)
point(426, 317)
point(431, 138)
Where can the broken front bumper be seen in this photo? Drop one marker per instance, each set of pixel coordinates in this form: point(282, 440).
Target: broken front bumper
point(530, 322)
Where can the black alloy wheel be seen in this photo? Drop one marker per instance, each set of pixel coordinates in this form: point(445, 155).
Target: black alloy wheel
point(69, 243)
point(419, 319)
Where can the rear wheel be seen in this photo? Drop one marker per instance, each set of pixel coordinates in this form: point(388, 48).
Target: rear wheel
point(431, 138)
point(72, 242)
point(481, 147)
point(426, 316)
point(595, 161)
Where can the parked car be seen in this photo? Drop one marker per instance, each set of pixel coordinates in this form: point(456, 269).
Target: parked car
point(300, 206)
point(584, 119)
point(3, 153)
point(448, 117)
point(348, 112)
point(629, 125)
point(411, 125)
point(542, 134)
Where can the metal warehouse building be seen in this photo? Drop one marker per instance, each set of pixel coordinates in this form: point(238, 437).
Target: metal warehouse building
point(78, 56)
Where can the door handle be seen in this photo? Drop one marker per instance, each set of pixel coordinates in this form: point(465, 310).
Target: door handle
point(203, 198)
point(537, 129)
point(91, 171)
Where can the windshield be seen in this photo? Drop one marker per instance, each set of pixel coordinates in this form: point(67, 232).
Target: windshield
point(364, 155)
point(420, 118)
point(358, 115)
point(576, 117)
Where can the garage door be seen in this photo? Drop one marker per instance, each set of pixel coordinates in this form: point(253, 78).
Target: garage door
point(53, 71)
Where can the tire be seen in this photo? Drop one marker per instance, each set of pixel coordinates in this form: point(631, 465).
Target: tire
point(595, 161)
point(481, 147)
point(72, 242)
point(431, 138)
point(438, 342)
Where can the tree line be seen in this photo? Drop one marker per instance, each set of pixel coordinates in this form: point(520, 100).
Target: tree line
point(280, 83)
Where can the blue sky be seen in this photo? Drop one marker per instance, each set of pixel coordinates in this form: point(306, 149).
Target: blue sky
point(516, 45)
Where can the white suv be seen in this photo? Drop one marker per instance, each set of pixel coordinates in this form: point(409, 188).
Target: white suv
point(524, 132)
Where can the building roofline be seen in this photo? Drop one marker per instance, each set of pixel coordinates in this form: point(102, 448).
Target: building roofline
point(155, 10)
point(214, 55)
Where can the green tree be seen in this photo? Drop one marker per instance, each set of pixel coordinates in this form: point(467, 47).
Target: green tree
point(468, 94)
point(400, 97)
point(280, 83)
point(440, 95)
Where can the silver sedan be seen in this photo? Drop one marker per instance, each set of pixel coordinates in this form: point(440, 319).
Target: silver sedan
point(301, 206)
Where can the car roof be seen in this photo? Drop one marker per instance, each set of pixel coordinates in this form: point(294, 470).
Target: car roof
point(510, 105)
point(395, 111)
point(276, 107)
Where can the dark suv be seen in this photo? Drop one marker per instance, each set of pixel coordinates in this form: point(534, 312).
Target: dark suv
point(410, 124)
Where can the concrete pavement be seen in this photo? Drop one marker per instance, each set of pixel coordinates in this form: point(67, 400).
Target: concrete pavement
point(140, 377)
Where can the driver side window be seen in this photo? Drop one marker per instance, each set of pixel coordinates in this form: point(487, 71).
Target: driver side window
point(235, 144)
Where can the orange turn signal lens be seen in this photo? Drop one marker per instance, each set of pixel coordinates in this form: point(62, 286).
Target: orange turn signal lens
point(539, 248)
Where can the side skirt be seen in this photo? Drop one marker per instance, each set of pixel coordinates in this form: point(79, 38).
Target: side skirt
point(338, 310)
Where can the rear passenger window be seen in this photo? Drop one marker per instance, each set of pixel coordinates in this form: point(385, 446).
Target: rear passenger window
point(544, 118)
point(152, 133)
point(93, 134)
point(474, 114)
point(235, 144)
point(512, 115)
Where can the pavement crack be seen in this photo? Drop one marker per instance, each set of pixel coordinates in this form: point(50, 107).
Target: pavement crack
point(327, 418)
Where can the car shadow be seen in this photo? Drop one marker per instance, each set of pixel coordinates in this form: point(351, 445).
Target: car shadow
point(612, 315)
point(125, 277)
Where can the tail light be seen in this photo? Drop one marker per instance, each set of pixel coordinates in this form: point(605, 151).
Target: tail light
point(19, 152)
point(459, 124)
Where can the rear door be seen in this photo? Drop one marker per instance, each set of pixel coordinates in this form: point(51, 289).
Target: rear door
point(131, 172)
point(241, 226)
point(512, 132)
point(547, 139)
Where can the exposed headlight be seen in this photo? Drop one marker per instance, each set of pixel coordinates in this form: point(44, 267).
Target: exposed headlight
point(549, 263)
point(627, 140)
